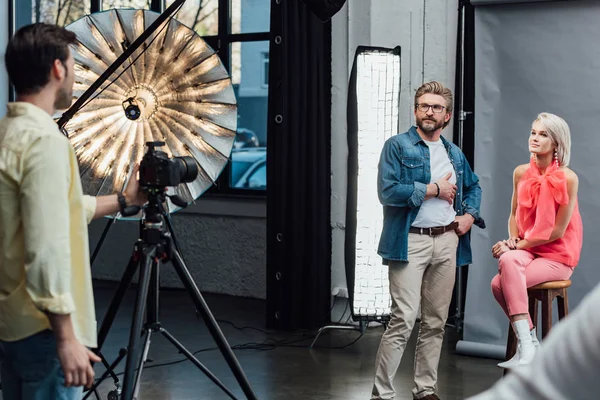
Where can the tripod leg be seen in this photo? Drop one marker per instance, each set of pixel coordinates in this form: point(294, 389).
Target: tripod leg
point(211, 323)
point(117, 299)
point(197, 363)
point(138, 317)
point(138, 378)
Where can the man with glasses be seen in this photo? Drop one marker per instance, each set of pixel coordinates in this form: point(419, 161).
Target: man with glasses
point(430, 198)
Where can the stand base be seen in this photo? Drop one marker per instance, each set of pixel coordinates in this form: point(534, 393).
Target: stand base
point(360, 328)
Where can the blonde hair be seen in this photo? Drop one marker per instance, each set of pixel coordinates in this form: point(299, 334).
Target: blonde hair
point(558, 130)
point(435, 87)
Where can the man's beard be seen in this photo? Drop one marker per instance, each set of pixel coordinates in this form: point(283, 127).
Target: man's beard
point(431, 126)
point(63, 99)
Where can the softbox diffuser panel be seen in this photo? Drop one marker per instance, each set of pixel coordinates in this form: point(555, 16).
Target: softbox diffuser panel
point(373, 105)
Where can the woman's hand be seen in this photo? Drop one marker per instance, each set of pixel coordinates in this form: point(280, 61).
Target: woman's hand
point(500, 248)
point(512, 241)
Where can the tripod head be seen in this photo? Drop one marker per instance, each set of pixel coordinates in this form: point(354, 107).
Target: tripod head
point(153, 230)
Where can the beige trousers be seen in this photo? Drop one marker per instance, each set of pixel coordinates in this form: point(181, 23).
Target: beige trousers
point(427, 279)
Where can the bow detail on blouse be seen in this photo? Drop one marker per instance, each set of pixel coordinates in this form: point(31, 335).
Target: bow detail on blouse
point(538, 199)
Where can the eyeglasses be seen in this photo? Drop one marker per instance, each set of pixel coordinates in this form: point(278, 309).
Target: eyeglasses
point(437, 108)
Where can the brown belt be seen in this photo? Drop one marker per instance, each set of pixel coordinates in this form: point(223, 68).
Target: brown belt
point(434, 231)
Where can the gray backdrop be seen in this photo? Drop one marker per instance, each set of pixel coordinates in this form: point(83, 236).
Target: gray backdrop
point(492, 2)
point(531, 58)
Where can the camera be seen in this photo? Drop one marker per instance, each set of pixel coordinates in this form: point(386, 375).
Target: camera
point(157, 170)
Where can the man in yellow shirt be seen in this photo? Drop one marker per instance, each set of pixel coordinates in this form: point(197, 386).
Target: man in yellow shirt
point(47, 317)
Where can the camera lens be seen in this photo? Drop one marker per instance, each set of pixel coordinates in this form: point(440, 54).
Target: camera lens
point(188, 169)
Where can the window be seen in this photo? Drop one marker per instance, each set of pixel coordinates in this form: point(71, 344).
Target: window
point(139, 4)
point(200, 15)
point(238, 30)
point(250, 16)
point(59, 12)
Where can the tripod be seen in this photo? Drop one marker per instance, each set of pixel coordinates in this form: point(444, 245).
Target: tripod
point(154, 247)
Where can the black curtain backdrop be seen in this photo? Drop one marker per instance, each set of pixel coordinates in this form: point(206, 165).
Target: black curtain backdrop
point(298, 169)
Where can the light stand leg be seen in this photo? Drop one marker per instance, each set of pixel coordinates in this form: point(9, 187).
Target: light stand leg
point(458, 290)
point(148, 260)
point(211, 323)
point(459, 301)
point(101, 240)
point(109, 371)
point(117, 299)
point(361, 328)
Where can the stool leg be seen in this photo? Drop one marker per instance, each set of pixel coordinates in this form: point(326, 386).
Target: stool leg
point(546, 313)
point(511, 345)
point(563, 305)
point(533, 310)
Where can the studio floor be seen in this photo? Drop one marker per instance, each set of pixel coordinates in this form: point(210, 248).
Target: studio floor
point(279, 366)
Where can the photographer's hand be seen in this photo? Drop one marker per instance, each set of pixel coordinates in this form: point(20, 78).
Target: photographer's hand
point(133, 195)
point(109, 205)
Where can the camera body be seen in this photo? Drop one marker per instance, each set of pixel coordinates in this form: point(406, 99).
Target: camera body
point(157, 170)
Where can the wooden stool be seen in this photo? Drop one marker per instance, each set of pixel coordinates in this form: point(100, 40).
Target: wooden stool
point(545, 293)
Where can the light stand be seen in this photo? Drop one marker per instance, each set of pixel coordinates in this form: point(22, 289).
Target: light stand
point(458, 317)
point(372, 117)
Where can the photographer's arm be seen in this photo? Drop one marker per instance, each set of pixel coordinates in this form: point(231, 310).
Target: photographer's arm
point(104, 205)
point(100, 206)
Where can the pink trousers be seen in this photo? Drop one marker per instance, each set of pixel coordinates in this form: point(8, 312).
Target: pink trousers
point(518, 270)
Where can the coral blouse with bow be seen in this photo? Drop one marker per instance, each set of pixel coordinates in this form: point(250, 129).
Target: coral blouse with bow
point(539, 197)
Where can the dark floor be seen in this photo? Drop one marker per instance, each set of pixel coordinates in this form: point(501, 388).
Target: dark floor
point(286, 373)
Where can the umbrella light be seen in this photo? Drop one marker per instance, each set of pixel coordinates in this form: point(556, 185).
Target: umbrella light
point(173, 89)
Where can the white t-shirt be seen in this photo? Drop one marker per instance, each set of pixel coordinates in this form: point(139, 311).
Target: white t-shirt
point(434, 211)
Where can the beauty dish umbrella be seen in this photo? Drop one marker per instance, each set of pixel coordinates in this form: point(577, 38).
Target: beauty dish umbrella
point(173, 89)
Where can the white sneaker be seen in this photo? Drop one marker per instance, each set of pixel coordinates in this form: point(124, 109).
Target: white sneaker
point(526, 346)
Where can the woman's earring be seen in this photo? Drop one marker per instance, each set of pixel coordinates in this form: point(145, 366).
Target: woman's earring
point(556, 158)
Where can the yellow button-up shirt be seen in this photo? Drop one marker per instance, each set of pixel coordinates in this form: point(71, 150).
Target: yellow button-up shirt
point(44, 254)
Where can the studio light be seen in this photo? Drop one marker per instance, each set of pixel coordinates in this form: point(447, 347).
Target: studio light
point(372, 114)
point(373, 106)
point(173, 89)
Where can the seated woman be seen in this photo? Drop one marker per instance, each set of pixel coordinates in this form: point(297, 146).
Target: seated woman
point(545, 229)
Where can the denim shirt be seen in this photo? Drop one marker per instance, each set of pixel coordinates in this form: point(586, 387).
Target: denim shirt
point(404, 172)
